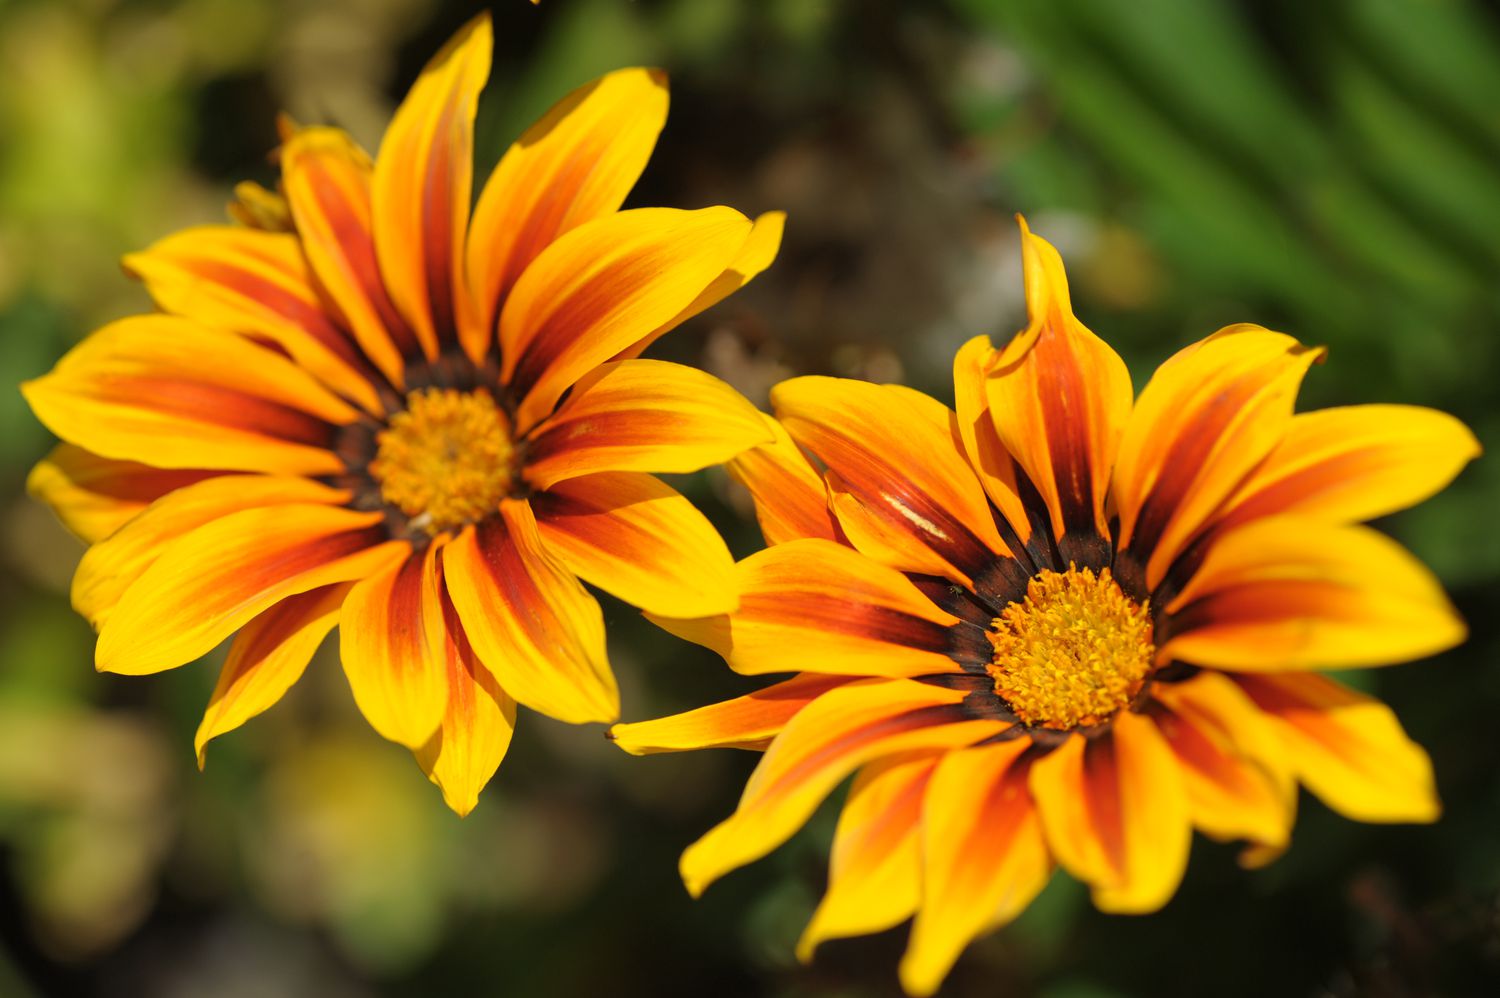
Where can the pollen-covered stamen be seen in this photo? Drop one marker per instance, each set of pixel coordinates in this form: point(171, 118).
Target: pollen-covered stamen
point(1073, 652)
point(447, 459)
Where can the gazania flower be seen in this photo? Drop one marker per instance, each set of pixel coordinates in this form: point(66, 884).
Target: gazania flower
point(421, 426)
point(1056, 627)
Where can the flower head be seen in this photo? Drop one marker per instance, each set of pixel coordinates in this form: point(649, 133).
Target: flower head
point(368, 407)
point(1059, 626)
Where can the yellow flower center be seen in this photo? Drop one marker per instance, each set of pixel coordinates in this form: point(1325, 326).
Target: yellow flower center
point(446, 460)
point(1073, 652)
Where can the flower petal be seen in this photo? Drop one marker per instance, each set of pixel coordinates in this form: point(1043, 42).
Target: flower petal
point(833, 736)
point(791, 499)
point(258, 283)
point(1286, 594)
point(327, 178)
point(747, 722)
point(875, 872)
point(1355, 463)
point(94, 496)
point(639, 539)
point(755, 256)
point(1208, 416)
point(642, 415)
point(576, 164)
point(993, 465)
point(1059, 398)
point(812, 604)
point(422, 188)
point(1348, 748)
point(899, 453)
point(601, 288)
point(1231, 760)
point(112, 566)
point(170, 393)
point(1116, 814)
point(392, 643)
point(256, 207)
point(477, 724)
point(531, 622)
point(983, 857)
point(215, 579)
point(267, 657)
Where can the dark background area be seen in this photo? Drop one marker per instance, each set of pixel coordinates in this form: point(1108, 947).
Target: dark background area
point(1327, 169)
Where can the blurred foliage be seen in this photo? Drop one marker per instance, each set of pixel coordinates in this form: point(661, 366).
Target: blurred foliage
point(1327, 169)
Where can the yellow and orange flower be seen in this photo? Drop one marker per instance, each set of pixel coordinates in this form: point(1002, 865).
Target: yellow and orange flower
point(1061, 626)
point(368, 408)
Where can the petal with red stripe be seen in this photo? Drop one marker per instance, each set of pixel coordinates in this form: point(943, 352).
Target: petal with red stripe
point(747, 722)
point(791, 499)
point(94, 496)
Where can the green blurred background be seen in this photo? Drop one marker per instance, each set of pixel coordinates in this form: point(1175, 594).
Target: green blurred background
point(1328, 169)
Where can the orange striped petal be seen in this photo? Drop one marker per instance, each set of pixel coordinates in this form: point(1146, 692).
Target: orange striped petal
point(899, 453)
point(640, 540)
point(986, 452)
point(112, 566)
point(392, 643)
point(94, 496)
point(1348, 748)
point(833, 736)
point(422, 188)
point(791, 499)
point(1116, 814)
point(1355, 463)
point(1232, 762)
point(1285, 594)
point(576, 164)
point(983, 857)
point(747, 722)
point(757, 254)
point(875, 872)
point(258, 283)
point(530, 620)
point(818, 605)
point(215, 579)
point(601, 288)
point(267, 657)
point(642, 415)
point(168, 392)
point(477, 723)
point(327, 178)
point(1208, 416)
point(1059, 398)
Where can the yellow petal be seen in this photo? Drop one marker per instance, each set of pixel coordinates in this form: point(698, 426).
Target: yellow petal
point(94, 496)
point(791, 500)
point(987, 455)
point(1286, 594)
point(747, 722)
point(640, 540)
point(875, 874)
point(168, 392)
point(812, 604)
point(112, 566)
point(829, 739)
point(1116, 815)
point(983, 857)
point(423, 183)
point(603, 287)
point(1348, 748)
point(530, 620)
point(391, 635)
point(1059, 398)
point(1355, 463)
point(642, 415)
point(574, 165)
point(477, 724)
point(215, 579)
point(267, 657)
